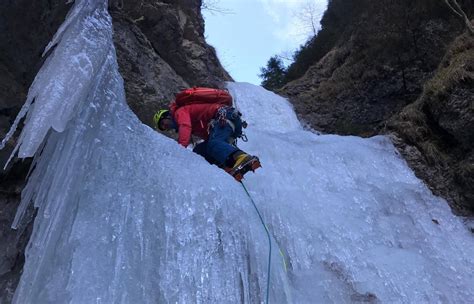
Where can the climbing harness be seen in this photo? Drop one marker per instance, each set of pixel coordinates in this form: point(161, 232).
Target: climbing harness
point(234, 121)
point(269, 241)
point(221, 117)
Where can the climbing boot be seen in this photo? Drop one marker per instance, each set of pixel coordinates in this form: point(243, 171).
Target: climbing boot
point(243, 164)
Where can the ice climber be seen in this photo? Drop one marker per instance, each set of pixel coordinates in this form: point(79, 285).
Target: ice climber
point(208, 114)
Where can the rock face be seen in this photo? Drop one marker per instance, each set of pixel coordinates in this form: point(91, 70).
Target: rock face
point(436, 133)
point(383, 54)
point(160, 49)
point(371, 61)
point(25, 29)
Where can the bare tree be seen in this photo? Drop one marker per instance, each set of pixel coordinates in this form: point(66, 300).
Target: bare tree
point(213, 7)
point(309, 16)
point(456, 8)
point(286, 57)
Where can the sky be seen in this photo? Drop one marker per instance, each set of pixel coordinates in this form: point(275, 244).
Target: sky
point(246, 33)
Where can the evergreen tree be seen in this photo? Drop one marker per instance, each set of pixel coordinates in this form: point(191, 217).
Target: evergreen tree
point(273, 75)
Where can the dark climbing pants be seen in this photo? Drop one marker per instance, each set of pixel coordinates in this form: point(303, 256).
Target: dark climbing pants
point(218, 148)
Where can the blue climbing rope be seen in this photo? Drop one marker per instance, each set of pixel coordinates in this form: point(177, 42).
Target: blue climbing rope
point(269, 241)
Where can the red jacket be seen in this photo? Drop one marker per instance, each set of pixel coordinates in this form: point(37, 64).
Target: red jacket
point(193, 119)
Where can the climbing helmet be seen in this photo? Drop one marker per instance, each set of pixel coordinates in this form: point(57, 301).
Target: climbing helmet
point(159, 116)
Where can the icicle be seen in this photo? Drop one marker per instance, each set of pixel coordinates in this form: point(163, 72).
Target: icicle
point(19, 117)
point(81, 46)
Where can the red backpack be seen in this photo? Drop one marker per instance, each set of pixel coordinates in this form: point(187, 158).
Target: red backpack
point(203, 95)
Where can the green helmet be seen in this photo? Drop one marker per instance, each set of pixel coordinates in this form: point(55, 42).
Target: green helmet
point(158, 116)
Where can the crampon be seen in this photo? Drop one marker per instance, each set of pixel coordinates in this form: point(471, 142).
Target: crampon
point(250, 165)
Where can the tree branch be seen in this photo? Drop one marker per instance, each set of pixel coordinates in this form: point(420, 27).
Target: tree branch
point(452, 8)
point(213, 7)
point(460, 12)
point(466, 19)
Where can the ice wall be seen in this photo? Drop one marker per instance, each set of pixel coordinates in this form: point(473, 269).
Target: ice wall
point(128, 216)
point(355, 223)
point(125, 214)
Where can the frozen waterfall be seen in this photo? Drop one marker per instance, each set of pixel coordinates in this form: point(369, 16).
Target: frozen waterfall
point(127, 215)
